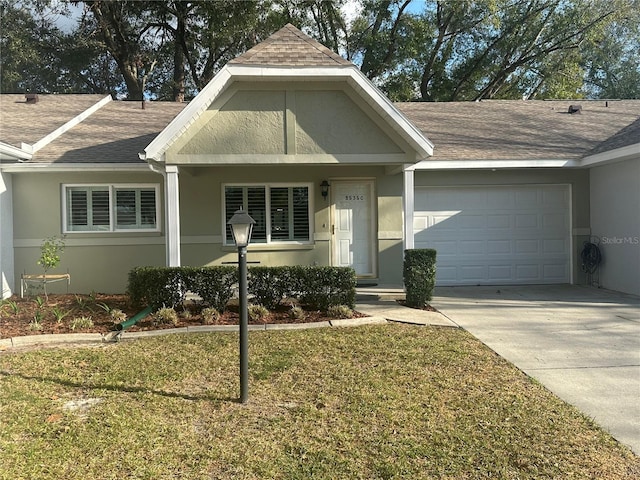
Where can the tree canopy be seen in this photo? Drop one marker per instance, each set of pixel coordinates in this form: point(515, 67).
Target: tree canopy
point(430, 50)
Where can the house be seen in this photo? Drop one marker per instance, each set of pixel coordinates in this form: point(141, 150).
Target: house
point(331, 170)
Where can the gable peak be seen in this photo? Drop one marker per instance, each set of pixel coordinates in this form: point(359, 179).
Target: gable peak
point(289, 46)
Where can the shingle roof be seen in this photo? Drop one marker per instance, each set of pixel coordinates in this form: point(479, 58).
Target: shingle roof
point(28, 123)
point(514, 129)
point(487, 130)
point(290, 47)
point(113, 134)
point(629, 135)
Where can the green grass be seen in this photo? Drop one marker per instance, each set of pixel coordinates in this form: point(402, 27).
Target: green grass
point(388, 401)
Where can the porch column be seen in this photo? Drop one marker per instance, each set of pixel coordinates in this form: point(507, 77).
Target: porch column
point(407, 208)
point(172, 215)
point(7, 274)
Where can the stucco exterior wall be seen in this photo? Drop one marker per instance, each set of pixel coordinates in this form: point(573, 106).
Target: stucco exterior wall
point(576, 178)
point(101, 261)
point(201, 197)
point(615, 220)
point(277, 123)
point(6, 237)
point(96, 261)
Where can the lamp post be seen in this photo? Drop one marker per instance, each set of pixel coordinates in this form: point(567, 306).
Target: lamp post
point(241, 226)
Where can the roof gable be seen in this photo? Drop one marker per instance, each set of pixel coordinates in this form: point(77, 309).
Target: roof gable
point(290, 47)
point(291, 56)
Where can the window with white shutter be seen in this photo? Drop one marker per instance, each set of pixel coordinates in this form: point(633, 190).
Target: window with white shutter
point(281, 212)
point(110, 208)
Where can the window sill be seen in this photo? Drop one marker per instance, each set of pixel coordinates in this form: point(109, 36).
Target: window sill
point(274, 247)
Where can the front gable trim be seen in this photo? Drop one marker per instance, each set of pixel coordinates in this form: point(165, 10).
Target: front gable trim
point(231, 73)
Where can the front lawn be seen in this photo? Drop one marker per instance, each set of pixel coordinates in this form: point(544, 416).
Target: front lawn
point(386, 401)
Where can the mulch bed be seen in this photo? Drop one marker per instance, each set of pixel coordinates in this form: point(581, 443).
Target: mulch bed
point(21, 322)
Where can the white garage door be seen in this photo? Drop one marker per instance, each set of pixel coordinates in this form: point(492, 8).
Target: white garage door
point(496, 235)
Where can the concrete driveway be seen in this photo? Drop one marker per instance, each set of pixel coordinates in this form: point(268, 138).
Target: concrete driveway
point(582, 343)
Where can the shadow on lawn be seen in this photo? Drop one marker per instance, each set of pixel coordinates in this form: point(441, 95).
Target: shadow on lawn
point(120, 388)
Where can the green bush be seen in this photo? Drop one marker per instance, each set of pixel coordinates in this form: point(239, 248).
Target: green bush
point(419, 274)
point(156, 287)
point(322, 287)
point(215, 285)
point(269, 285)
point(315, 287)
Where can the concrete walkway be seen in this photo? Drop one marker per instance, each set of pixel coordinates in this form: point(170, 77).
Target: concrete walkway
point(381, 302)
point(582, 343)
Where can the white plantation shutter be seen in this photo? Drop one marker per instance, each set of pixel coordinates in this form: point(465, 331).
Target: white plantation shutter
point(148, 208)
point(301, 226)
point(287, 206)
point(108, 208)
point(135, 208)
point(87, 208)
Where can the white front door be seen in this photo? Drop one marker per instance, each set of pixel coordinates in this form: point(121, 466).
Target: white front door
point(353, 239)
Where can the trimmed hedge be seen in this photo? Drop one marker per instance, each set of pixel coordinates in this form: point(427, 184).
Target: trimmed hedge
point(215, 285)
point(156, 287)
point(315, 287)
point(419, 275)
point(269, 285)
point(322, 287)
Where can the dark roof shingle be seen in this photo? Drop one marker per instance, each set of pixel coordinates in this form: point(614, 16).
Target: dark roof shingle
point(518, 130)
point(28, 123)
point(290, 47)
point(113, 134)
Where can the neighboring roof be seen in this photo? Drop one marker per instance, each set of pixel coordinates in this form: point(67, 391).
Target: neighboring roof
point(522, 130)
point(629, 135)
point(290, 47)
point(22, 122)
point(113, 134)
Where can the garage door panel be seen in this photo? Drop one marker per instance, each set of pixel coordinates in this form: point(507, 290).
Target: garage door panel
point(472, 247)
point(447, 275)
point(474, 273)
point(558, 272)
point(500, 273)
point(527, 198)
point(555, 195)
point(500, 221)
point(554, 220)
point(527, 273)
point(527, 220)
point(526, 247)
point(496, 235)
point(558, 247)
point(499, 247)
point(474, 222)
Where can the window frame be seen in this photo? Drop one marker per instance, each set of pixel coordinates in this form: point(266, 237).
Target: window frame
point(267, 205)
point(111, 188)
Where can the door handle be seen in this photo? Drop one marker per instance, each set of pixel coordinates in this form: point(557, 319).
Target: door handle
point(333, 229)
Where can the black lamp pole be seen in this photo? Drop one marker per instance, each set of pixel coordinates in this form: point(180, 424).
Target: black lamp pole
point(244, 325)
point(241, 226)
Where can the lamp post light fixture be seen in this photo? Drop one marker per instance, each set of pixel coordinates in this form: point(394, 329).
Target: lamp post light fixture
point(241, 227)
point(325, 189)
